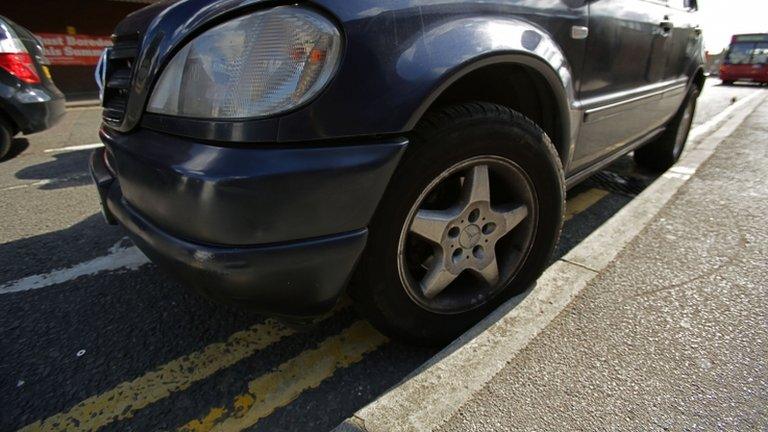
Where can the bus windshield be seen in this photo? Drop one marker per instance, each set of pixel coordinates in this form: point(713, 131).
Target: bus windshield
point(747, 53)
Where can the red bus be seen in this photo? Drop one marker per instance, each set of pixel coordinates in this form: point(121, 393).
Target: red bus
point(746, 59)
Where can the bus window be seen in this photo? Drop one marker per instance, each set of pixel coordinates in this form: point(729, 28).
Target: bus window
point(760, 55)
point(747, 53)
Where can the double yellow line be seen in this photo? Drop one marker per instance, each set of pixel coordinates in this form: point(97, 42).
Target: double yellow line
point(265, 393)
point(126, 398)
point(279, 388)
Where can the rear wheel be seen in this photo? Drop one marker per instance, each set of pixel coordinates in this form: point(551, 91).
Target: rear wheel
point(6, 136)
point(470, 218)
point(662, 153)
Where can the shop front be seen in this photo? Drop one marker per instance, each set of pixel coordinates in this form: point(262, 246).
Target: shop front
point(74, 33)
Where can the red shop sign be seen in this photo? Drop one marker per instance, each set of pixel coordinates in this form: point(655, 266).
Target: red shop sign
point(74, 50)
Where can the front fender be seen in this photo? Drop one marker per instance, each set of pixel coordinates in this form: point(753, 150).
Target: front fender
point(451, 50)
point(397, 58)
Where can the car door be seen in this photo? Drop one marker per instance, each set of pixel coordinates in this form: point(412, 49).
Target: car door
point(685, 38)
point(624, 76)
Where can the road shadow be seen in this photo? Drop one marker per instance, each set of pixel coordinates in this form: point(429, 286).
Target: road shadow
point(66, 170)
point(742, 84)
point(83, 241)
point(126, 322)
point(18, 146)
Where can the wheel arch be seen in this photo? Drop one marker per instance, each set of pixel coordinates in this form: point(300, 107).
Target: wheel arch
point(524, 89)
point(518, 47)
point(699, 78)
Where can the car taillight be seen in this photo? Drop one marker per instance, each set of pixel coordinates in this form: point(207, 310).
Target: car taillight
point(21, 66)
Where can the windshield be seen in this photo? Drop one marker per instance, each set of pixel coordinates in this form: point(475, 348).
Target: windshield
point(748, 53)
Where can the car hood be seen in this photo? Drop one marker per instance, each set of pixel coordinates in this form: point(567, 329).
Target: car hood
point(138, 21)
point(188, 13)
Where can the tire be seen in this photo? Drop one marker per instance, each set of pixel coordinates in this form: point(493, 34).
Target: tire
point(517, 156)
point(6, 137)
point(661, 153)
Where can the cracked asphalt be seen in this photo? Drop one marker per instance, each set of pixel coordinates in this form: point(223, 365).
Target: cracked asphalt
point(127, 348)
point(674, 335)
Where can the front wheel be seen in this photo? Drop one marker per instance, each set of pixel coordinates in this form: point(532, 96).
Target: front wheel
point(470, 218)
point(660, 154)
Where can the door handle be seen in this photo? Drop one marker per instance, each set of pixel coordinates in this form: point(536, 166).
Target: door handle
point(666, 24)
point(697, 30)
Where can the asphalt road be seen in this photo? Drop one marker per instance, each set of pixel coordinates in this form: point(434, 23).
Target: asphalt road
point(93, 337)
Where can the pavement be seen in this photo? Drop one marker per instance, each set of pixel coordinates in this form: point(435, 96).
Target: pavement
point(96, 338)
point(673, 335)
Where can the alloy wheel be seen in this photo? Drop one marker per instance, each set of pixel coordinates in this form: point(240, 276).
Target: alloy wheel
point(467, 234)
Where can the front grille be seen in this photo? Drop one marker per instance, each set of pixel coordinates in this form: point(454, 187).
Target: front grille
point(118, 79)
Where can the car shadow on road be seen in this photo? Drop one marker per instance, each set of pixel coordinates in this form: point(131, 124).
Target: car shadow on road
point(743, 84)
point(83, 241)
point(66, 170)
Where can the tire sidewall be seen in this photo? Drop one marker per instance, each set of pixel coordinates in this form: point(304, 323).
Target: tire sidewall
point(659, 154)
point(690, 101)
point(6, 138)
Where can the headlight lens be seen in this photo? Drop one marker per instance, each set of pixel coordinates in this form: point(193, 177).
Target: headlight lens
point(253, 66)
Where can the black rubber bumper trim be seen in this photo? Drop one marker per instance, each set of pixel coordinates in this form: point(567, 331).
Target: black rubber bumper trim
point(299, 279)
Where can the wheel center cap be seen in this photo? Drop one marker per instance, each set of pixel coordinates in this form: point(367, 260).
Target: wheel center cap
point(470, 236)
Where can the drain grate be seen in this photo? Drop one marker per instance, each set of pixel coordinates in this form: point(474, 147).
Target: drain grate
point(613, 182)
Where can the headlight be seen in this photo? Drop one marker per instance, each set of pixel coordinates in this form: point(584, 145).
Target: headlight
point(253, 66)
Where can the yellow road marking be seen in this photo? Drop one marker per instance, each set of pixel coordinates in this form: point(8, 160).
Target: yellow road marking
point(583, 201)
point(265, 394)
point(126, 398)
point(282, 386)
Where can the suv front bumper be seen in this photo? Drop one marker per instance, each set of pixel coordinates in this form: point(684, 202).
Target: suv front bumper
point(224, 220)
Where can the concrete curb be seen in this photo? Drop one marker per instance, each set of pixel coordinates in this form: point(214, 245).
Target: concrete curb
point(431, 394)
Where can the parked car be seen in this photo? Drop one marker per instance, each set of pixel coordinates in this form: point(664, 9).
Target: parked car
point(29, 100)
point(267, 155)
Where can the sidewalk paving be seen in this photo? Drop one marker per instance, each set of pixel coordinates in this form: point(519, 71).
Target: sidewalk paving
point(673, 335)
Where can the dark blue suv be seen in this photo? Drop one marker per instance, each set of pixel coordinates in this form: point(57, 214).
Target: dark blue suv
point(418, 152)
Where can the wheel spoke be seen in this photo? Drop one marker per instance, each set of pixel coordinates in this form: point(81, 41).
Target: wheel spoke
point(430, 224)
point(512, 215)
point(490, 274)
point(477, 187)
point(437, 278)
